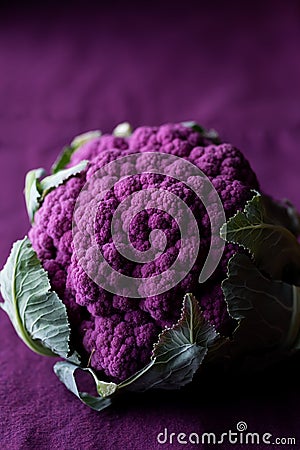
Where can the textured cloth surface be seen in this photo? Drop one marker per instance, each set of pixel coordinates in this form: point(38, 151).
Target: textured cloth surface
point(65, 71)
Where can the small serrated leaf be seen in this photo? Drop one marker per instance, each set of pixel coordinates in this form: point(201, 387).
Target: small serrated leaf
point(37, 314)
point(191, 328)
point(274, 247)
point(179, 352)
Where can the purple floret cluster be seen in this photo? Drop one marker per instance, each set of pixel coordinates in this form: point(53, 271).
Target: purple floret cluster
point(116, 333)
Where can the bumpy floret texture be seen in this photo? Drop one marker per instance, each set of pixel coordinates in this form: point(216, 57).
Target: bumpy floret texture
point(117, 332)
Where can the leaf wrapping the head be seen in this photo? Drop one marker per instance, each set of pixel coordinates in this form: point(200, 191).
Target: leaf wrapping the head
point(37, 314)
point(32, 192)
point(268, 311)
point(177, 355)
point(262, 229)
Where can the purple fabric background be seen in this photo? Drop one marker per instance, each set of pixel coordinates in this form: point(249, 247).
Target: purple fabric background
point(65, 71)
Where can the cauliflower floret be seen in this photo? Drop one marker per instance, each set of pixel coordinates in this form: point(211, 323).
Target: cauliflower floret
point(120, 344)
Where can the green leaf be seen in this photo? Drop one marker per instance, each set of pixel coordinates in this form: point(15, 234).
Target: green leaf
point(178, 353)
point(37, 314)
point(282, 213)
point(65, 371)
point(32, 191)
point(65, 157)
point(260, 229)
point(52, 181)
point(268, 311)
point(176, 357)
point(208, 134)
point(36, 189)
point(83, 138)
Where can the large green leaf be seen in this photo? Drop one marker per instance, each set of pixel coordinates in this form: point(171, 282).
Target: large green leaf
point(37, 314)
point(268, 311)
point(263, 230)
point(65, 156)
point(36, 189)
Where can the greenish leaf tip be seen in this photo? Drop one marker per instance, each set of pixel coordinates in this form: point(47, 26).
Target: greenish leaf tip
point(123, 130)
point(53, 181)
point(67, 152)
point(65, 371)
point(208, 134)
point(36, 188)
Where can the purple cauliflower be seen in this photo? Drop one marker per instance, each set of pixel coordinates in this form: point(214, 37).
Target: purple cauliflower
point(116, 333)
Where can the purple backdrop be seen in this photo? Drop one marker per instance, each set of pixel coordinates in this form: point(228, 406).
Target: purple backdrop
point(65, 71)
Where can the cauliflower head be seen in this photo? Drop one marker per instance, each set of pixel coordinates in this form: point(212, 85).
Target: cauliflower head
point(115, 333)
